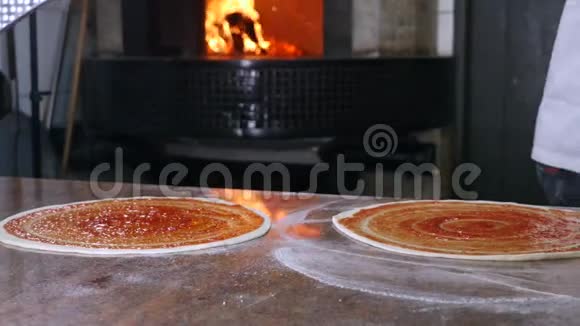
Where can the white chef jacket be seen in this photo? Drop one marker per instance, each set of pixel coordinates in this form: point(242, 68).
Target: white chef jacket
point(557, 140)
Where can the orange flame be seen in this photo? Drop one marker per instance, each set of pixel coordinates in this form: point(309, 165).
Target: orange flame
point(219, 32)
point(251, 199)
point(254, 200)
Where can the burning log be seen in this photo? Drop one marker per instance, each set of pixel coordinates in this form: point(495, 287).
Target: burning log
point(232, 27)
point(240, 26)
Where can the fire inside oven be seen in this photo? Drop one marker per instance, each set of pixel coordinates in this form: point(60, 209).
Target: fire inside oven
point(263, 69)
point(264, 28)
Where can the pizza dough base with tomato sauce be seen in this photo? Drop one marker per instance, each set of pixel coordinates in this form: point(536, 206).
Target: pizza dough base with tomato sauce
point(466, 230)
point(143, 226)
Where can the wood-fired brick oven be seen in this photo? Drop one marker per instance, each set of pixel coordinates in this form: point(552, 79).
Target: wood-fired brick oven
point(286, 69)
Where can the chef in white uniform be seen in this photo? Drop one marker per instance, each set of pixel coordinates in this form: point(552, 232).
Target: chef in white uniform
point(557, 140)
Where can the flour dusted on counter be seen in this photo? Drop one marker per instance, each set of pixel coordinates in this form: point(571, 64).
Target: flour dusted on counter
point(430, 282)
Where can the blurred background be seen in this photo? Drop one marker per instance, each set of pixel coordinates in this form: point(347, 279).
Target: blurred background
point(297, 82)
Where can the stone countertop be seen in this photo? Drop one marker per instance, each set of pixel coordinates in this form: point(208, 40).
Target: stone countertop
point(302, 272)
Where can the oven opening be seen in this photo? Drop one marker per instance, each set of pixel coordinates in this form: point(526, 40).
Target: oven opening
point(263, 28)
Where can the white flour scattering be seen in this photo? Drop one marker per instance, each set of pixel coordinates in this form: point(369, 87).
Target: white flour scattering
point(434, 284)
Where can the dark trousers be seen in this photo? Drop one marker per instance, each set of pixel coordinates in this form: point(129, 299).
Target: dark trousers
point(562, 188)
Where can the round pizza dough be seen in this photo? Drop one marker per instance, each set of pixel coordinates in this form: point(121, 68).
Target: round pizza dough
point(134, 226)
point(466, 230)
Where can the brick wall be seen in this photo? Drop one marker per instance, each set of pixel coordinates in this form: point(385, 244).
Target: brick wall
point(403, 27)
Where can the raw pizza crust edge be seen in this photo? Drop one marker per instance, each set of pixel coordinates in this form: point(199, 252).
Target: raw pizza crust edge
point(519, 257)
point(18, 243)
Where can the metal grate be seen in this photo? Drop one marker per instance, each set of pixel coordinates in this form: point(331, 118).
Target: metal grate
point(10, 10)
point(263, 99)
